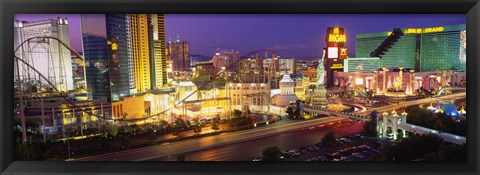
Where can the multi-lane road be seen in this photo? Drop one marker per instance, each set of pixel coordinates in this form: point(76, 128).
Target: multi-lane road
point(245, 151)
point(165, 150)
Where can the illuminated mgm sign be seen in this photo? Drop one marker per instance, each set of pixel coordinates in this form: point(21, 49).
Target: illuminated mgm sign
point(336, 39)
point(336, 35)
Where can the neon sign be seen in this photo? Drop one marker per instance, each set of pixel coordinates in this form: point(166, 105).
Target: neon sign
point(335, 35)
point(343, 53)
point(433, 29)
point(336, 66)
point(420, 30)
point(336, 38)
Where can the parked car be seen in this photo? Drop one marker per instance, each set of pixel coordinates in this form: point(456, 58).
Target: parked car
point(257, 159)
point(294, 153)
point(376, 151)
point(359, 155)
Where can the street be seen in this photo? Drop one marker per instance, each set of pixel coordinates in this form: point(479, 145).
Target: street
point(157, 151)
point(247, 150)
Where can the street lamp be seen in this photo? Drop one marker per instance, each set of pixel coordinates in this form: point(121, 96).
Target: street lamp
point(68, 146)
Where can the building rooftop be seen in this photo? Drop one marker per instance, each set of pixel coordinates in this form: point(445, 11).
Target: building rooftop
point(396, 69)
point(425, 30)
point(286, 78)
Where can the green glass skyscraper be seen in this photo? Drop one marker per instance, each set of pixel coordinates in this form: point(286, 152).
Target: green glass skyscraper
point(422, 49)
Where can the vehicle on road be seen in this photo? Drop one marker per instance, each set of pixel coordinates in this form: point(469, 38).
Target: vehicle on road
point(359, 155)
point(257, 159)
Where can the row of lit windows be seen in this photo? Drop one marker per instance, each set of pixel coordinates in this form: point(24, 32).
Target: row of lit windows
point(246, 88)
point(442, 51)
point(255, 101)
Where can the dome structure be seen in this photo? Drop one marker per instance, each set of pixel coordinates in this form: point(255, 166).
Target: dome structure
point(287, 93)
point(287, 85)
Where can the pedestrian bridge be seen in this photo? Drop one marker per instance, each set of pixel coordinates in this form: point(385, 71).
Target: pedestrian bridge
point(399, 122)
point(319, 110)
point(396, 122)
point(447, 137)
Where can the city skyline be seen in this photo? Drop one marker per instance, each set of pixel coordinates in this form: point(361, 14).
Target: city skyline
point(244, 32)
point(136, 96)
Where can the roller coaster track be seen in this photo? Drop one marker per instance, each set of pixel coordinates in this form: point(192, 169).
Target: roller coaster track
point(18, 59)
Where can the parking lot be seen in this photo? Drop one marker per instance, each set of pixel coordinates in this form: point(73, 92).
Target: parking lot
point(350, 148)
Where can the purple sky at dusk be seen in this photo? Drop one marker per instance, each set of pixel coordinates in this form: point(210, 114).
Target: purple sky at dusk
point(300, 36)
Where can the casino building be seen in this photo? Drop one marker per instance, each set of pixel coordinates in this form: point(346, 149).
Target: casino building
point(403, 81)
point(399, 62)
point(421, 49)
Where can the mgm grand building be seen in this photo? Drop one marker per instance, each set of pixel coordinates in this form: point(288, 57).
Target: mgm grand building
point(407, 59)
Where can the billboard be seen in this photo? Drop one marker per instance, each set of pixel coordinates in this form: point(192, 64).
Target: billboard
point(332, 52)
point(336, 52)
point(336, 35)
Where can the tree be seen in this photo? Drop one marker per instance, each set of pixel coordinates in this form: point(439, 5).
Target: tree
point(215, 126)
point(196, 125)
point(367, 129)
point(296, 113)
point(26, 151)
point(113, 132)
point(237, 113)
point(180, 124)
point(415, 147)
point(196, 121)
point(329, 139)
point(181, 158)
point(435, 156)
point(272, 153)
point(289, 112)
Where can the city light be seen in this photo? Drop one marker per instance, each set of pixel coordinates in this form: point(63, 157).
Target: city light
point(124, 83)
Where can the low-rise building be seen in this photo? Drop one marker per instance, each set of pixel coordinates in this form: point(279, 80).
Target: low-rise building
point(256, 96)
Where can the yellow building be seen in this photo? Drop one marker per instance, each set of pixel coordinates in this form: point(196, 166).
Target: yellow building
point(302, 88)
point(212, 102)
point(254, 95)
point(208, 102)
point(141, 51)
point(159, 67)
point(139, 106)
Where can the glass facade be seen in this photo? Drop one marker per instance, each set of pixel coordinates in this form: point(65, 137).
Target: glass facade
point(362, 64)
point(442, 51)
point(151, 50)
point(422, 49)
point(106, 55)
point(402, 54)
point(118, 55)
point(96, 66)
point(365, 46)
